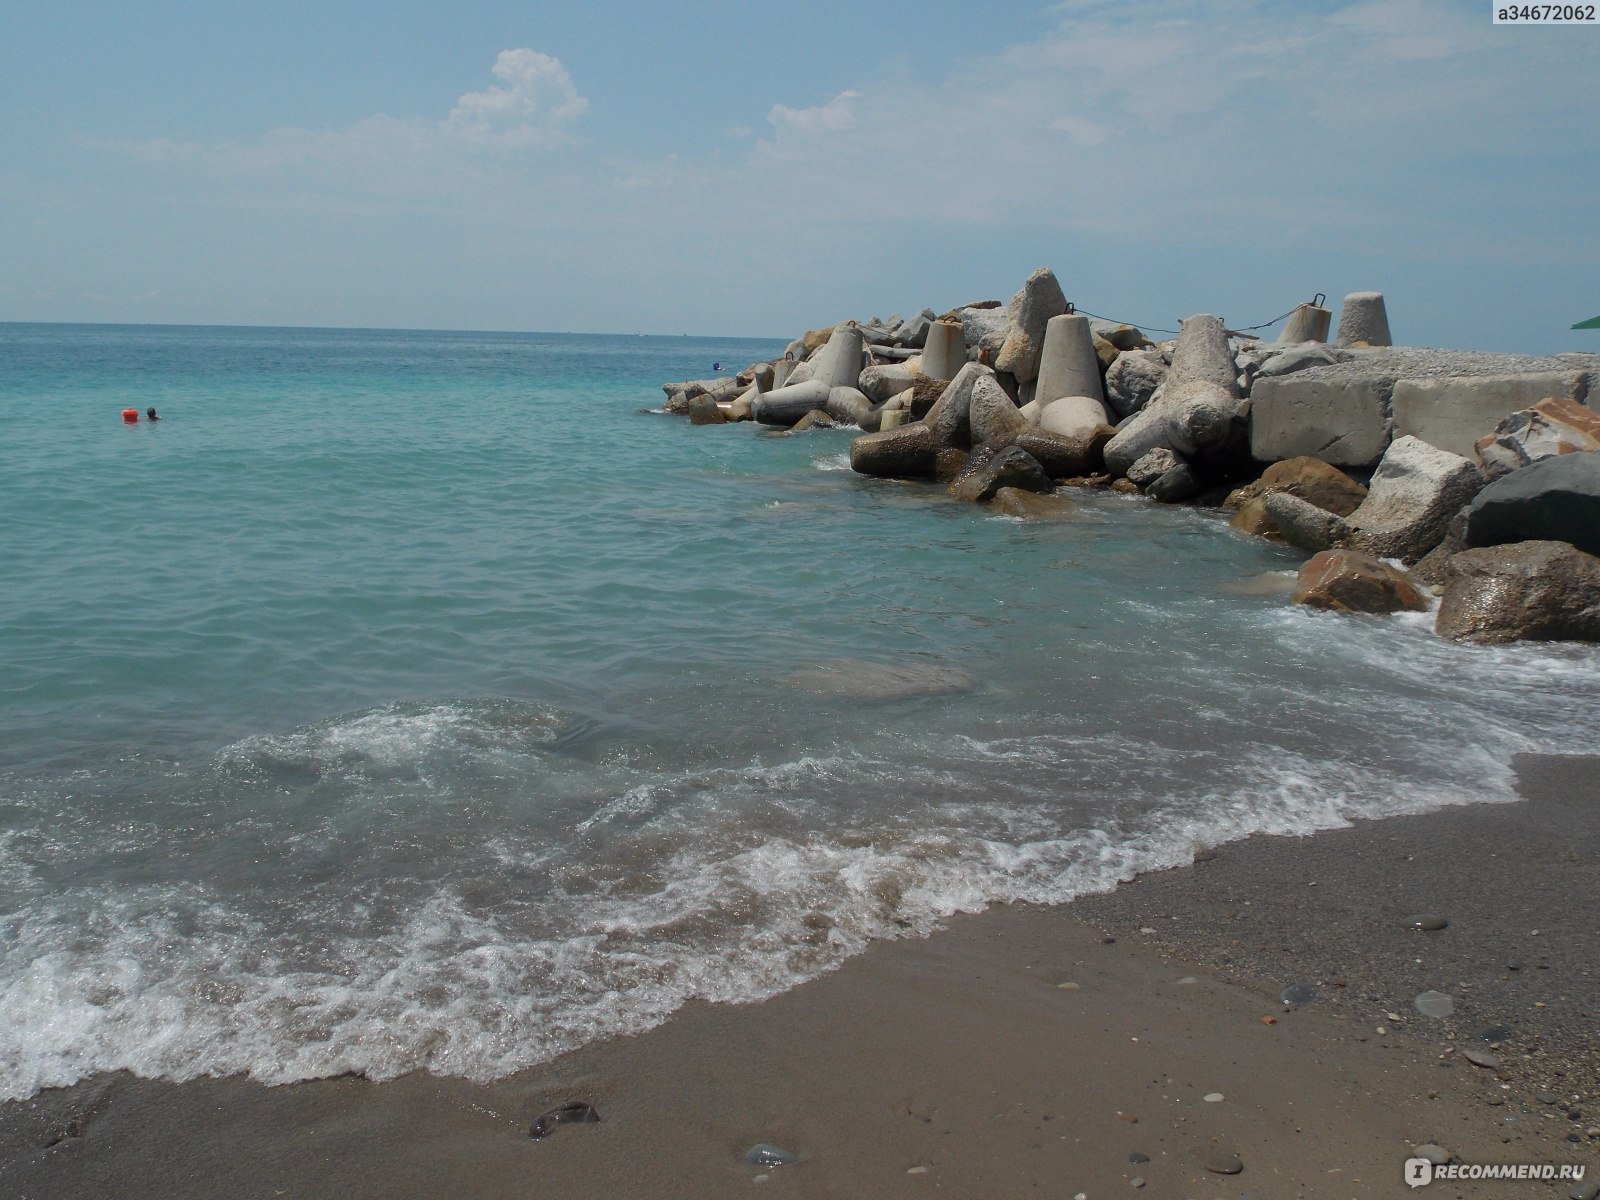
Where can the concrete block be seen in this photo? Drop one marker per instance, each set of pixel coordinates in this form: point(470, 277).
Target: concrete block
point(1307, 323)
point(1453, 414)
point(1344, 422)
point(1068, 365)
point(1364, 320)
point(945, 352)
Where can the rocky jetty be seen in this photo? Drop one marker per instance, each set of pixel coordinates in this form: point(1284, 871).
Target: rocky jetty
point(1477, 469)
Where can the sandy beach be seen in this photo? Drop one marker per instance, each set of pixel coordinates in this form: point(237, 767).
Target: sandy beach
point(1131, 1041)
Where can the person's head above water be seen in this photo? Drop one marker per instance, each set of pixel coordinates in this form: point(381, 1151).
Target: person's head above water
point(150, 414)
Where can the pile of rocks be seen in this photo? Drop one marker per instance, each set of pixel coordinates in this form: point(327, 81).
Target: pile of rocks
point(1475, 470)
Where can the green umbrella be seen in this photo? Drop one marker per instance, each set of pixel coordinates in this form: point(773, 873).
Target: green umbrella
point(1591, 323)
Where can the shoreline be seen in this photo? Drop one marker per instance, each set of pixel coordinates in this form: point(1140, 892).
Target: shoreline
point(960, 1063)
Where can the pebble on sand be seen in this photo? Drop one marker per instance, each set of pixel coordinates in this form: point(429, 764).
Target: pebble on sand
point(765, 1154)
point(1434, 1004)
point(1479, 1058)
point(1223, 1163)
point(1437, 1155)
point(1298, 993)
point(1214, 1097)
point(1429, 922)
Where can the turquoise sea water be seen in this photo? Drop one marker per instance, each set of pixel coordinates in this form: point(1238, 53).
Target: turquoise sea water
point(414, 701)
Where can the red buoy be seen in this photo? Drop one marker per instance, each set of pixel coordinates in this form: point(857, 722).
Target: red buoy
point(131, 415)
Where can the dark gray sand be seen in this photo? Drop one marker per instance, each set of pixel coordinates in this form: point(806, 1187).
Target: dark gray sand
point(960, 1065)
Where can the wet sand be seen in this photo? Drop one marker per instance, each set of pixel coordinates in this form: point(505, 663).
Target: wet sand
point(960, 1065)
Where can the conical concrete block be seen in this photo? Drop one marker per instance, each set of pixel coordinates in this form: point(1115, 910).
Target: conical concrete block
point(945, 351)
point(1308, 323)
point(1363, 320)
point(1068, 365)
point(839, 362)
point(1203, 353)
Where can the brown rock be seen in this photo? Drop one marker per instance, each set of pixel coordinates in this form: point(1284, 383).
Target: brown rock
point(816, 338)
point(1349, 581)
point(1543, 591)
point(1125, 487)
point(1105, 352)
point(1252, 518)
point(1309, 478)
point(1032, 506)
point(815, 419)
point(703, 410)
point(1551, 427)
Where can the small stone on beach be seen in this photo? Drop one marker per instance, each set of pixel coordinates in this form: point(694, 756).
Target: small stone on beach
point(1479, 1058)
point(1214, 1097)
point(1223, 1163)
point(1437, 1155)
point(574, 1112)
point(1434, 1004)
point(1136, 1157)
point(1298, 993)
point(1430, 922)
point(765, 1154)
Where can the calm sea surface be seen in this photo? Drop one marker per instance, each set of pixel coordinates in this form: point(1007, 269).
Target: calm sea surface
point(414, 701)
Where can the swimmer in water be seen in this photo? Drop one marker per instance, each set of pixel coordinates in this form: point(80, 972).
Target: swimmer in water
point(150, 414)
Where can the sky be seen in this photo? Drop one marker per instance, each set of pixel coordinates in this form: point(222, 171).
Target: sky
point(732, 169)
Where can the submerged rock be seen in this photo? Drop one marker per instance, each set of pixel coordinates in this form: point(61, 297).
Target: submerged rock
point(1350, 581)
point(864, 680)
point(573, 1112)
point(765, 1154)
point(1008, 467)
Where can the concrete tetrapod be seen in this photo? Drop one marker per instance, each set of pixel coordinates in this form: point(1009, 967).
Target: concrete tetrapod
point(945, 352)
point(1364, 321)
point(1068, 365)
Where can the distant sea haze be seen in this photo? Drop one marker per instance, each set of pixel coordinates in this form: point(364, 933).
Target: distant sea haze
point(414, 701)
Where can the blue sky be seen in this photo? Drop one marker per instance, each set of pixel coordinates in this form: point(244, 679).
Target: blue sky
point(720, 168)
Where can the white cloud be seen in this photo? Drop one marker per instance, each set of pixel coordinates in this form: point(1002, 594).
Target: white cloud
point(534, 107)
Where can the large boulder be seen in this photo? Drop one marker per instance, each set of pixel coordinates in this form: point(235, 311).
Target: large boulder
point(1415, 491)
point(1203, 354)
point(1032, 506)
point(1555, 499)
point(1350, 581)
point(1176, 485)
point(984, 329)
point(991, 414)
point(1073, 416)
point(1309, 478)
point(1152, 466)
point(1039, 299)
point(703, 410)
point(1196, 419)
point(1550, 427)
point(1132, 380)
point(1541, 590)
point(988, 471)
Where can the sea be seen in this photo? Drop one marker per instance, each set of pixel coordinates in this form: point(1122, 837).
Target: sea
point(410, 701)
